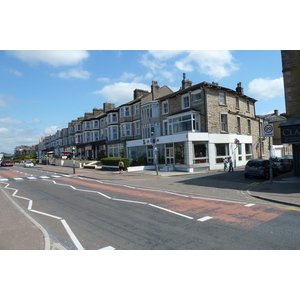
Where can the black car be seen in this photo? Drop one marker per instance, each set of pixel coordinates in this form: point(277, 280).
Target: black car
point(260, 168)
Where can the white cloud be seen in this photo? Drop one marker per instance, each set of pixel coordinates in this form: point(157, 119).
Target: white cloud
point(4, 130)
point(36, 120)
point(15, 72)
point(103, 79)
point(54, 58)
point(9, 120)
point(121, 92)
point(125, 76)
point(215, 63)
point(74, 73)
point(50, 130)
point(5, 99)
point(265, 88)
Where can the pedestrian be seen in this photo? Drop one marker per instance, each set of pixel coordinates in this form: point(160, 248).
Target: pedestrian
point(121, 166)
point(230, 164)
point(225, 164)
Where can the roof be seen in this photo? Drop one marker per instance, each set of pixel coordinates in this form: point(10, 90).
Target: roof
point(201, 85)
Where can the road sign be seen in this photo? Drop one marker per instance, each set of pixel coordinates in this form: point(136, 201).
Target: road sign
point(268, 129)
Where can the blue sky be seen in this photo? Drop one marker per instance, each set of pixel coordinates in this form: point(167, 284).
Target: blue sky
point(41, 91)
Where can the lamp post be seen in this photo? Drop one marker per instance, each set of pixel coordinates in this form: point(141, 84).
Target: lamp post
point(73, 151)
point(153, 139)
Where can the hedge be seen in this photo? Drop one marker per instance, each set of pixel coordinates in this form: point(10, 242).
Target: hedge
point(114, 161)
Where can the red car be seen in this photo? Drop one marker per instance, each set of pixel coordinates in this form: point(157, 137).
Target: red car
point(7, 163)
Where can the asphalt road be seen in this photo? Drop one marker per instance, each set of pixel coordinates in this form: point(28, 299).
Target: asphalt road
point(89, 214)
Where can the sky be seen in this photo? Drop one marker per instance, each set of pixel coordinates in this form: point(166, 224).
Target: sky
point(42, 90)
point(44, 85)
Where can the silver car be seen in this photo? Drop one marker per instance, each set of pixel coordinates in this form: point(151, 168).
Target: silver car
point(28, 164)
point(283, 164)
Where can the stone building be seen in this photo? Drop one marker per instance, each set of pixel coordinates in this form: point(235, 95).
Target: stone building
point(191, 129)
point(290, 131)
point(199, 126)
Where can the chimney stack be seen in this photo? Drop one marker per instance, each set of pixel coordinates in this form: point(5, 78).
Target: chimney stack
point(239, 88)
point(186, 83)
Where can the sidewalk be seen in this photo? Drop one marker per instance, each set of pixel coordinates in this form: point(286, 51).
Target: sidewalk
point(18, 231)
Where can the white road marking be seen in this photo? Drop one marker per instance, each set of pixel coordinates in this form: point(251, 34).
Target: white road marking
point(44, 177)
point(18, 178)
point(72, 235)
point(250, 204)
point(171, 211)
point(31, 177)
point(42, 213)
point(204, 219)
point(107, 248)
point(3, 179)
point(56, 176)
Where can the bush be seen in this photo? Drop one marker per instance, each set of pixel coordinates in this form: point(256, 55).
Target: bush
point(114, 161)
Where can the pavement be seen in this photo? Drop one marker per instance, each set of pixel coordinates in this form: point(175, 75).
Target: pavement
point(18, 231)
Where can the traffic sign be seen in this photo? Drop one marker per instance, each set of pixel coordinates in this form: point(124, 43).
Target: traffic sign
point(268, 129)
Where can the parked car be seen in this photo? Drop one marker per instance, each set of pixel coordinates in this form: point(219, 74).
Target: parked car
point(7, 163)
point(28, 164)
point(260, 168)
point(283, 164)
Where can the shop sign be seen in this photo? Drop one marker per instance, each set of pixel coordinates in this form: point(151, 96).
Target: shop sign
point(290, 134)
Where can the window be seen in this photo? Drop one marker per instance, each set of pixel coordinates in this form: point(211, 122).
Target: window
point(150, 110)
point(136, 109)
point(113, 132)
point(126, 130)
point(95, 136)
point(165, 127)
point(249, 126)
point(197, 96)
point(125, 111)
point(248, 106)
point(222, 150)
point(87, 125)
point(224, 125)
point(238, 125)
point(185, 102)
point(248, 148)
point(237, 102)
point(165, 107)
point(96, 124)
point(183, 123)
point(137, 128)
point(222, 98)
point(112, 118)
point(200, 153)
point(116, 150)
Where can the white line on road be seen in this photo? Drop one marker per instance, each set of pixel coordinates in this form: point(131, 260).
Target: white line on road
point(31, 177)
point(18, 178)
point(107, 248)
point(42, 213)
point(250, 204)
point(204, 219)
point(72, 235)
point(171, 211)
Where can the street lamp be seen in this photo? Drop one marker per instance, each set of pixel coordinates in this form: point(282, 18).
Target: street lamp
point(73, 151)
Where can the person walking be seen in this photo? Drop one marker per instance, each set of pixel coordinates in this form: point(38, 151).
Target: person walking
point(230, 164)
point(121, 166)
point(225, 164)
